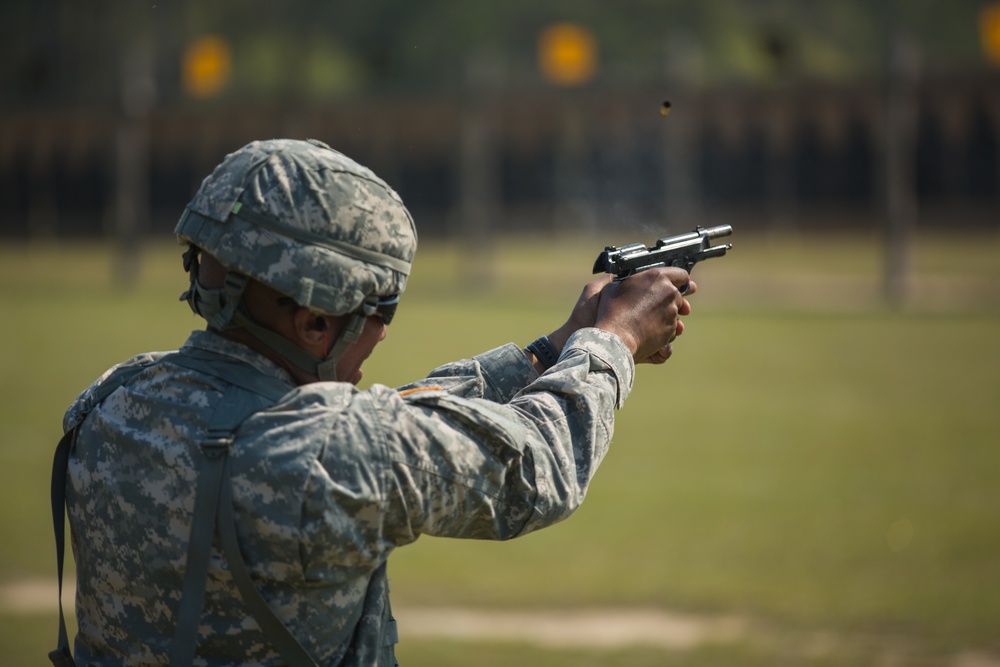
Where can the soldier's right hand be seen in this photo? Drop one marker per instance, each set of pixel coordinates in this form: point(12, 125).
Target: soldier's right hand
point(644, 311)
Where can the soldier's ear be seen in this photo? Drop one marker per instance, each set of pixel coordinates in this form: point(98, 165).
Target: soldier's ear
point(312, 331)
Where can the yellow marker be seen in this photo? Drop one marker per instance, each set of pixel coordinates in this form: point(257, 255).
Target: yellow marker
point(989, 31)
point(567, 54)
point(665, 108)
point(207, 66)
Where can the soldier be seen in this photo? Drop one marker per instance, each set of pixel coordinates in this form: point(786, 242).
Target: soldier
point(235, 501)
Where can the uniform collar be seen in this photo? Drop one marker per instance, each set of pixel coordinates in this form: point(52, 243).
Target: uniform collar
point(213, 343)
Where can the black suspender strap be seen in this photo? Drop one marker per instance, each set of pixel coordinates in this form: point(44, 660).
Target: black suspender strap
point(61, 656)
point(210, 482)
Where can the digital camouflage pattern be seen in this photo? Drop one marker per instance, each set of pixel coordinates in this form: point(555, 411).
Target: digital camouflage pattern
point(306, 220)
point(326, 484)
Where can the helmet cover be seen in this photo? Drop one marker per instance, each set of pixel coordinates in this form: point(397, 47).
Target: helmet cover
point(305, 220)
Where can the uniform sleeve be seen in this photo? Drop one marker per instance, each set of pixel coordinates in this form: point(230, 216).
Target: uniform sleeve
point(475, 468)
point(496, 375)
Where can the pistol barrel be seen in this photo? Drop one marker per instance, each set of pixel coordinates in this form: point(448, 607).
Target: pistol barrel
point(718, 232)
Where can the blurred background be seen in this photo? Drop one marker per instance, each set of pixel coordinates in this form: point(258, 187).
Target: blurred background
point(514, 115)
point(822, 490)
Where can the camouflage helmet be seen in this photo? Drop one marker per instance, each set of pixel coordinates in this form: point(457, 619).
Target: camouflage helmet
point(306, 221)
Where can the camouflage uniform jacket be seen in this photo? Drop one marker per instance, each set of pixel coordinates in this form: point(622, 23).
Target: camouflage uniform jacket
point(326, 483)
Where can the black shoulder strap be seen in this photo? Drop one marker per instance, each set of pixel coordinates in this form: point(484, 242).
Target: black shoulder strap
point(61, 656)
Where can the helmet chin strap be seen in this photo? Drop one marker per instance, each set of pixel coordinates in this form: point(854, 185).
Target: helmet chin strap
point(327, 368)
point(223, 309)
point(324, 368)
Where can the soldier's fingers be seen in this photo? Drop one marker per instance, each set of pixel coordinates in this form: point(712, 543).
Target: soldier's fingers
point(661, 355)
point(688, 288)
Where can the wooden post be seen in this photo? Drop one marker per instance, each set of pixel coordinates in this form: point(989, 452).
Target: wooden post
point(573, 205)
point(132, 162)
point(902, 207)
point(479, 175)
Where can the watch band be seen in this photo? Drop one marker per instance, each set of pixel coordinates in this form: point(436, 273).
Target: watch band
point(544, 351)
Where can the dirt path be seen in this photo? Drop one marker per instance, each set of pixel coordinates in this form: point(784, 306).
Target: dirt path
point(604, 627)
point(596, 628)
point(593, 627)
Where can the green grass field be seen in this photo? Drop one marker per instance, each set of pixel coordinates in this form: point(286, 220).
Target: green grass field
point(810, 461)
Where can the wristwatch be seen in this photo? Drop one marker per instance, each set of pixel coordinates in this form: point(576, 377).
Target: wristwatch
point(544, 351)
